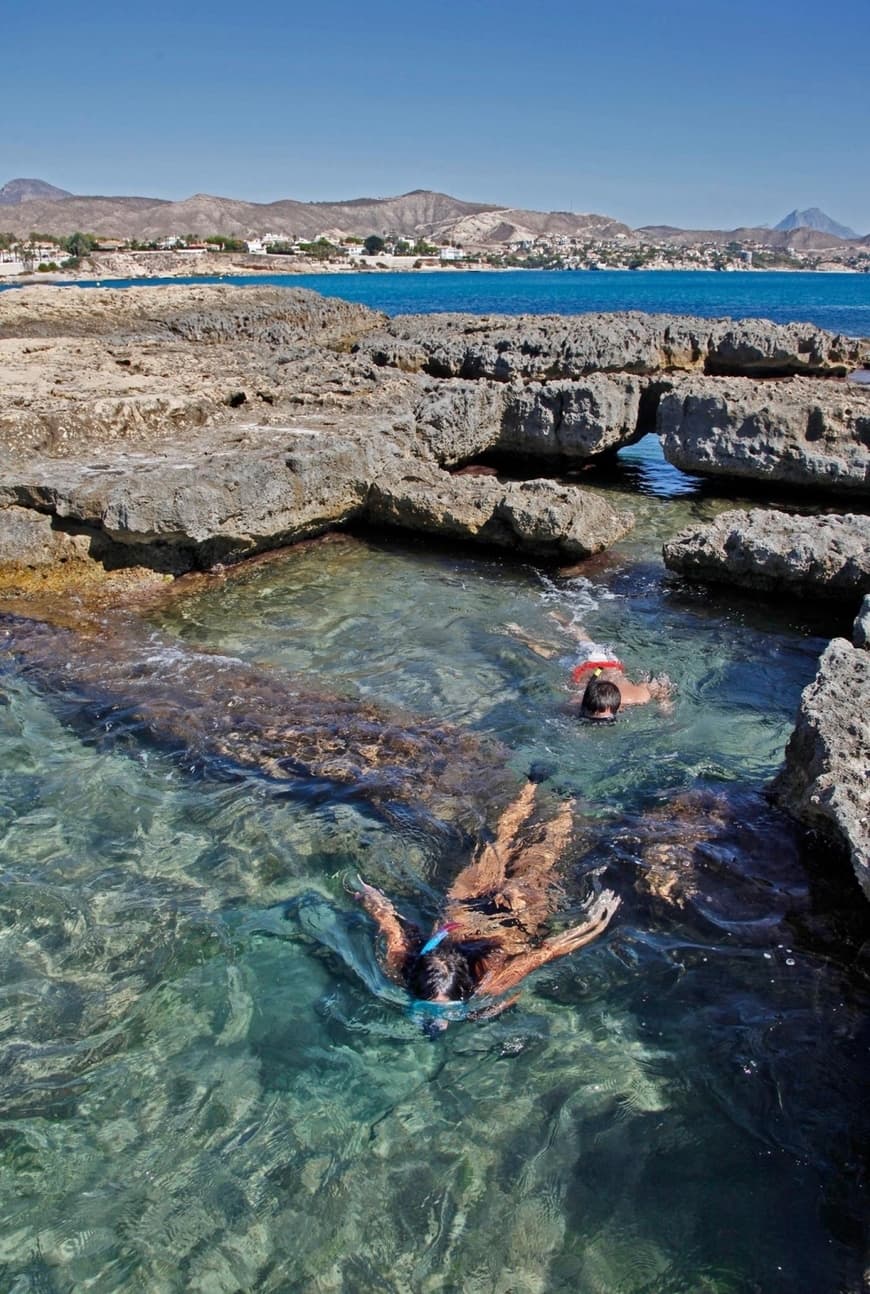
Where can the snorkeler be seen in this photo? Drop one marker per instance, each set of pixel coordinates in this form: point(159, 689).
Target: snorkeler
point(600, 673)
point(489, 937)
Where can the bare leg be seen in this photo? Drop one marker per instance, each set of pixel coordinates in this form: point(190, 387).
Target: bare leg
point(486, 873)
point(539, 857)
point(571, 627)
point(545, 650)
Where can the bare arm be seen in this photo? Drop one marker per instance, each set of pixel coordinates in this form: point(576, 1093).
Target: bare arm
point(511, 972)
point(400, 938)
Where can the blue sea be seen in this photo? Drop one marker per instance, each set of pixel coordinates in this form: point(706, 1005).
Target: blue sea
point(839, 302)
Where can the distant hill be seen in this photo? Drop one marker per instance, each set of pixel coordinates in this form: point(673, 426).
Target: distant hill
point(34, 204)
point(418, 214)
point(17, 191)
point(803, 240)
point(813, 218)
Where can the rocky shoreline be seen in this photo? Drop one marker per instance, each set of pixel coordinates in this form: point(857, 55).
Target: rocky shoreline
point(157, 431)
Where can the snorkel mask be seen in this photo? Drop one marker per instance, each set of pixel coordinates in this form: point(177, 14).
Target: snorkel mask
point(434, 1017)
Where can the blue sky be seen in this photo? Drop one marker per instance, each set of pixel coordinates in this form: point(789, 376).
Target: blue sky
point(676, 113)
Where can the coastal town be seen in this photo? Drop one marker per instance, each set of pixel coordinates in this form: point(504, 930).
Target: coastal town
point(47, 255)
point(421, 230)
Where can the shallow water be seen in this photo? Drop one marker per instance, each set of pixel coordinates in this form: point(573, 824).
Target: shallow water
point(208, 1085)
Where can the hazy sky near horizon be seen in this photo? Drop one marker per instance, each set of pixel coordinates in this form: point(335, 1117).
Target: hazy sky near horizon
point(677, 113)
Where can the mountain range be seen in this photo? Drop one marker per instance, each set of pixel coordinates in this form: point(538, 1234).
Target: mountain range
point(33, 205)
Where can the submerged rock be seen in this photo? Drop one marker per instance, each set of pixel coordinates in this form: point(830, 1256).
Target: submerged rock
point(777, 552)
point(826, 778)
point(229, 718)
point(798, 433)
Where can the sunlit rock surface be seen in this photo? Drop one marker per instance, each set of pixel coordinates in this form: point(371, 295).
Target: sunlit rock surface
point(536, 517)
point(799, 433)
point(777, 552)
point(176, 428)
point(536, 348)
point(826, 778)
point(567, 420)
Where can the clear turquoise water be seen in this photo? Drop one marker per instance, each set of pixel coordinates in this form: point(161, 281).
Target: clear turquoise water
point(205, 1082)
point(840, 302)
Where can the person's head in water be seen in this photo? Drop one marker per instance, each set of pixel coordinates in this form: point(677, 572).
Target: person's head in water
point(601, 700)
point(442, 975)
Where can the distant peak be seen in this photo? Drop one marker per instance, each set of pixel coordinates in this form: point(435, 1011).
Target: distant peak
point(22, 190)
point(814, 218)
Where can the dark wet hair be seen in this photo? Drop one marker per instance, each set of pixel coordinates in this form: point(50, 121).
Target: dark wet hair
point(446, 971)
point(600, 696)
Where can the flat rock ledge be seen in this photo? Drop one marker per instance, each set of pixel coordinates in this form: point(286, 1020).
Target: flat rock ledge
point(182, 426)
point(778, 552)
point(748, 400)
point(220, 498)
point(544, 348)
point(825, 781)
point(174, 428)
point(797, 433)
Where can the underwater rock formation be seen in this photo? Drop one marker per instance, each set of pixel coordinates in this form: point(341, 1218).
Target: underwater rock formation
point(228, 718)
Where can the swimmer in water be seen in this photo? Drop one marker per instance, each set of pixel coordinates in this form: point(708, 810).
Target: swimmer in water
point(491, 933)
point(600, 673)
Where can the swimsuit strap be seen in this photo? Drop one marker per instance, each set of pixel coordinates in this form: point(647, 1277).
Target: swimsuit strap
point(595, 666)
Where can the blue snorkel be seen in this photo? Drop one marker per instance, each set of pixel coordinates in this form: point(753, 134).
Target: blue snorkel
point(435, 1016)
point(434, 940)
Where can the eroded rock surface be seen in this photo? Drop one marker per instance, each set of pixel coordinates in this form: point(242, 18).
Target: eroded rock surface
point(538, 348)
point(459, 420)
point(178, 427)
point(796, 433)
point(777, 552)
point(539, 517)
point(826, 779)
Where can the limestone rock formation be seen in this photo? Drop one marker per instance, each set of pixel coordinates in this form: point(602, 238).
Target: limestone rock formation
point(538, 348)
point(540, 517)
point(220, 498)
point(460, 419)
point(826, 775)
point(777, 552)
point(177, 426)
point(795, 433)
point(29, 541)
point(861, 628)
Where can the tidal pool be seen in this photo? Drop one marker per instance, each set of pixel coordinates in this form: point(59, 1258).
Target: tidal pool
point(206, 1082)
